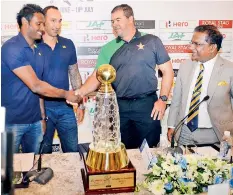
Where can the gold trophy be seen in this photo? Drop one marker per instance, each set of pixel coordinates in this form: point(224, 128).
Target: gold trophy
point(107, 167)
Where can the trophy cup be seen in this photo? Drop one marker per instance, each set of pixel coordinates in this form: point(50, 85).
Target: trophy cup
point(107, 168)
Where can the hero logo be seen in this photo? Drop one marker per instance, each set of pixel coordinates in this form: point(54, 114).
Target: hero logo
point(9, 27)
point(170, 24)
point(177, 60)
point(89, 38)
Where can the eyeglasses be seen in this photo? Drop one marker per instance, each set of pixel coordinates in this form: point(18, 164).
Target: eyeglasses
point(197, 44)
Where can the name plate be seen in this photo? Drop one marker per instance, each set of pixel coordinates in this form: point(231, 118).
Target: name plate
point(108, 181)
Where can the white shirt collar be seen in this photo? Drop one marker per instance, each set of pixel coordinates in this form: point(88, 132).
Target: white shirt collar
point(209, 64)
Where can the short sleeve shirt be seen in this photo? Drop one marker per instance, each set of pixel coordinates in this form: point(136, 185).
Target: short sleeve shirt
point(60, 58)
point(135, 63)
point(22, 105)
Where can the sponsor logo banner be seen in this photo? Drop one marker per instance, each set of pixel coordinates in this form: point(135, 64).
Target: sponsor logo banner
point(145, 24)
point(88, 50)
point(218, 23)
point(178, 24)
point(107, 24)
point(176, 61)
point(9, 27)
point(177, 49)
point(87, 63)
point(94, 25)
point(176, 36)
point(94, 38)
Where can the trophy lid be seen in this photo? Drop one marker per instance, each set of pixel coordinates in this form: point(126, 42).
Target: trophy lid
point(106, 74)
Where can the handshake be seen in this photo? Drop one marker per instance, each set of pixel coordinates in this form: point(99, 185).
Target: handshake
point(73, 97)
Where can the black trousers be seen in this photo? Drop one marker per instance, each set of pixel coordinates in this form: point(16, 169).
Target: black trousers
point(136, 122)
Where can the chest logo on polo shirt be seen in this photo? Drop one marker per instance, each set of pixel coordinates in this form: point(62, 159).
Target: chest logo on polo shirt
point(39, 54)
point(63, 46)
point(140, 46)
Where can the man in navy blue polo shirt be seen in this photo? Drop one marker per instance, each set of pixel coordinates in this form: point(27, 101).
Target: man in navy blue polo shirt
point(135, 55)
point(22, 66)
point(62, 65)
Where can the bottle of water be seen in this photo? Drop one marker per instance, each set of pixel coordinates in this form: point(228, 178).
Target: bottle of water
point(225, 146)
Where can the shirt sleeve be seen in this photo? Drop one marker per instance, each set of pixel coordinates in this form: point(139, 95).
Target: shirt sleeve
point(102, 59)
point(161, 53)
point(73, 59)
point(14, 57)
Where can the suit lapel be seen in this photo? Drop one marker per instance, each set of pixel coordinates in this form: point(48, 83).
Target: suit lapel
point(188, 80)
point(214, 79)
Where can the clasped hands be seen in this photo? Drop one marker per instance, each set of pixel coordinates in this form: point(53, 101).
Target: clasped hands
point(73, 98)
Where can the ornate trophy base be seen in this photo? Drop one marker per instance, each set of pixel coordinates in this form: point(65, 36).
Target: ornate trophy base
point(112, 180)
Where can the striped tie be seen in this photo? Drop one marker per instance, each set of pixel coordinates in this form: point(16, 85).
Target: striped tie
point(192, 121)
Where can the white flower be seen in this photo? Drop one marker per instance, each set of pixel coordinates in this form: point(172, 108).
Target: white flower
point(200, 170)
point(156, 170)
point(157, 187)
point(206, 176)
point(175, 192)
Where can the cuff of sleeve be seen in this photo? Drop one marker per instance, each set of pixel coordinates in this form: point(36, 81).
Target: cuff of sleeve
point(171, 127)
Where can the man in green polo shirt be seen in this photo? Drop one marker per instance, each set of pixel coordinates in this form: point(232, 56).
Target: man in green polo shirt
point(135, 55)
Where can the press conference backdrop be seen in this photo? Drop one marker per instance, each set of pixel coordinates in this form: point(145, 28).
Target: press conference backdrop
point(88, 24)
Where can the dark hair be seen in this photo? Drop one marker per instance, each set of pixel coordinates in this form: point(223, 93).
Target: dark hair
point(213, 34)
point(27, 12)
point(128, 11)
point(45, 10)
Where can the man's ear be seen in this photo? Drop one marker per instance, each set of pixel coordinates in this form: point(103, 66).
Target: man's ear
point(24, 21)
point(213, 47)
point(131, 18)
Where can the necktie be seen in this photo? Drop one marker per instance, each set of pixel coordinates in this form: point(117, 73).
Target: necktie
point(192, 121)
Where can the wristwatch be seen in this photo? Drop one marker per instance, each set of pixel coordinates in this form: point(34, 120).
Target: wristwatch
point(45, 118)
point(163, 98)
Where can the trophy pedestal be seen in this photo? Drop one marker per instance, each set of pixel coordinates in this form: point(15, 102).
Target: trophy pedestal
point(106, 173)
point(106, 182)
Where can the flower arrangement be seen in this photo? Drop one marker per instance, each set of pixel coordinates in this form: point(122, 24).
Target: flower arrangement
point(189, 174)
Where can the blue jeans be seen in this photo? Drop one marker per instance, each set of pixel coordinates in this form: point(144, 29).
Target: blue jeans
point(63, 119)
point(29, 136)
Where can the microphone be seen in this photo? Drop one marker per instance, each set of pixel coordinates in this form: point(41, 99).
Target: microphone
point(7, 151)
point(41, 175)
point(177, 149)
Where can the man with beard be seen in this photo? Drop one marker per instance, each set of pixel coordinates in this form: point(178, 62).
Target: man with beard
point(63, 65)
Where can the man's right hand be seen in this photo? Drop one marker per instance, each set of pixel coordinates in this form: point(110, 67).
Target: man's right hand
point(71, 97)
point(170, 132)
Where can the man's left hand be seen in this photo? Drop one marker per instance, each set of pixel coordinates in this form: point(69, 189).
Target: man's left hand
point(158, 110)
